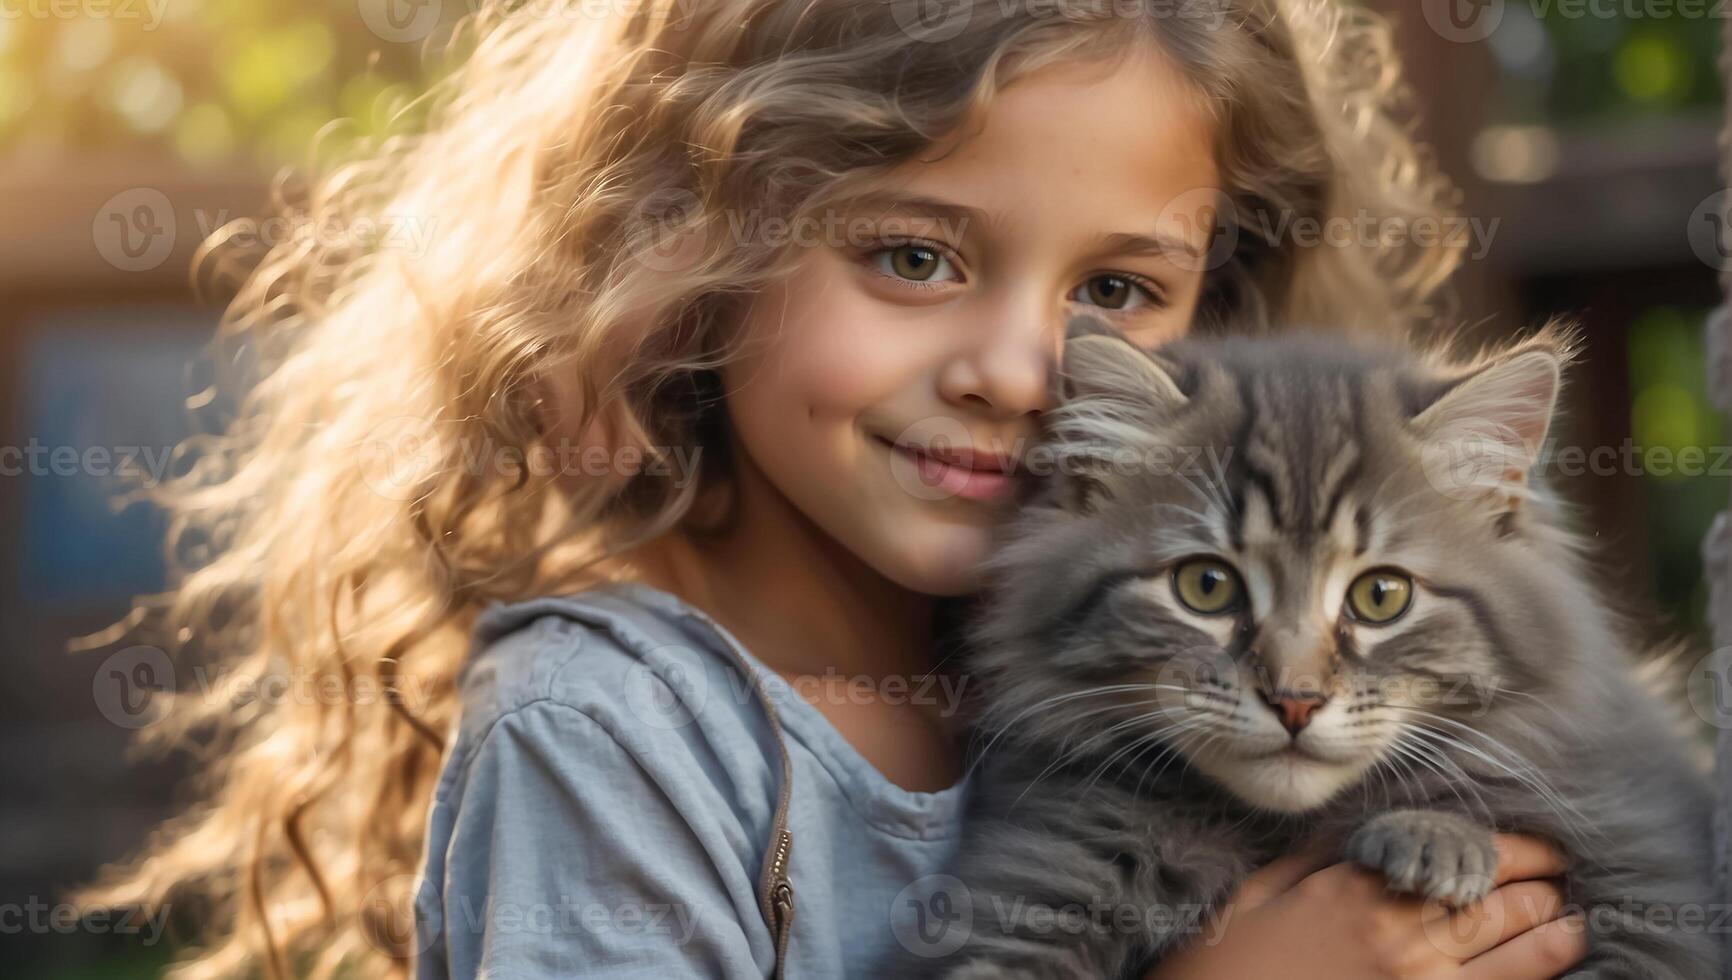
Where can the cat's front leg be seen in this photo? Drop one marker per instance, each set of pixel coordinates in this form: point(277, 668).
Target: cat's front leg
point(1430, 853)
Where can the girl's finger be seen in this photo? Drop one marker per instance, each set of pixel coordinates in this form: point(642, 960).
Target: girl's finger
point(1462, 934)
point(1278, 876)
point(1540, 953)
point(1520, 857)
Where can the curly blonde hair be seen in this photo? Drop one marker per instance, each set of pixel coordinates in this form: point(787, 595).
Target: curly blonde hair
point(378, 486)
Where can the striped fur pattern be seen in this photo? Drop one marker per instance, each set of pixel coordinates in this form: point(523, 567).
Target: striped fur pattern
point(1132, 755)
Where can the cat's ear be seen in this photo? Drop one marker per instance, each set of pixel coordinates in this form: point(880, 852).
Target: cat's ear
point(1101, 364)
point(1483, 431)
point(1110, 393)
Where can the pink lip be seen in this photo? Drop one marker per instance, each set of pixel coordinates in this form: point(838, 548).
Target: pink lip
point(962, 472)
point(969, 458)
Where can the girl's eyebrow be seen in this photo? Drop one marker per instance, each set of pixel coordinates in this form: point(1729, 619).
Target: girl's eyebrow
point(918, 205)
point(960, 216)
point(1159, 243)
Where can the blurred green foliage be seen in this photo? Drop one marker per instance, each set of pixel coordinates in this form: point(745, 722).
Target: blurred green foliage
point(217, 79)
point(209, 81)
point(1566, 61)
point(1670, 413)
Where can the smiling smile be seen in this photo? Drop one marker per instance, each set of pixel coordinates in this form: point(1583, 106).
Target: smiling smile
point(987, 479)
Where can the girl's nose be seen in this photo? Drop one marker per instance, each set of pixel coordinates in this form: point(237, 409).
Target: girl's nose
point(1007, 368)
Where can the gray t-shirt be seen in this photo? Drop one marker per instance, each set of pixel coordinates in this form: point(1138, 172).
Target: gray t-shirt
point(607, 798)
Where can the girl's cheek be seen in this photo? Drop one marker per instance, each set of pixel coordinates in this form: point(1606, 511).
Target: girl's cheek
point(843, 349)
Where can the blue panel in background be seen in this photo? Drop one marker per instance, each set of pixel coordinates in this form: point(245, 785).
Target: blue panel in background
point(102, 388)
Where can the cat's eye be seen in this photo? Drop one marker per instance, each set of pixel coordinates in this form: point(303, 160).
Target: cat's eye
point(1379, 596)
point(1207, 585)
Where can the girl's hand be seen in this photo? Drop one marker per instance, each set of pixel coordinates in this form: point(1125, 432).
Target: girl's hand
point(1291, 920)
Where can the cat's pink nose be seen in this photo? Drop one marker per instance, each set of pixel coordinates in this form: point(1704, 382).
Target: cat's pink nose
point(1294, 710)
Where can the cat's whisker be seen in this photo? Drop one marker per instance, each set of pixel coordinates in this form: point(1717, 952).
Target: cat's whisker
point(1171, 749)
point(1154, 737)
point(1375, 770)
point(1060, 699)
point(1064, 745)
point(986, 725)
point(1065, 752)
point(1492, 743)
point(1400, 768)
point(1512, 692)
point(1383, 779)
point(1435, 761)
point(1147, 743)
point(1197, 516)
point(1573, 819)
point(1066, 757)
point(1209, 738)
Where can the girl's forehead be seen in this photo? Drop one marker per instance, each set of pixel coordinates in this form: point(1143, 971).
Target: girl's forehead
point(1074, 145)
point(1084, 163)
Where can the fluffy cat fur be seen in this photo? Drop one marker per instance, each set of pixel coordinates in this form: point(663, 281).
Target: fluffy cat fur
point(1136, 761)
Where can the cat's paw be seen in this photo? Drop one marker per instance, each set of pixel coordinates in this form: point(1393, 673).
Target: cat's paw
point(1428, 853)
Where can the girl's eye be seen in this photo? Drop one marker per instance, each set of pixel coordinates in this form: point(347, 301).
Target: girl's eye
point(1379, 596)
point(914, 263)
point(1116, 292)
point(1207, 585)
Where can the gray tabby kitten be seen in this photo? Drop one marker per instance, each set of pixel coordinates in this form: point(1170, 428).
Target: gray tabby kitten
point(1284, 590)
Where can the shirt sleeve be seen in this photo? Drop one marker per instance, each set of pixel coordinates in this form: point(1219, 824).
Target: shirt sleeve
point(570, 853)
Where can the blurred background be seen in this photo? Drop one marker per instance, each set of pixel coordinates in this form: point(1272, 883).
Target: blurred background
point(1582, 132)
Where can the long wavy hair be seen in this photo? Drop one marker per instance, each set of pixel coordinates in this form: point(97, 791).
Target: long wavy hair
point(384, 475)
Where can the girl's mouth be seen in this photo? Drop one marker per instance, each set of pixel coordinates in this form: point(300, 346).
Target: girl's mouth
point(959, 473)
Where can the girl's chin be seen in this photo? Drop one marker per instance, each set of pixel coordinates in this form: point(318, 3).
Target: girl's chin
point(945, 562)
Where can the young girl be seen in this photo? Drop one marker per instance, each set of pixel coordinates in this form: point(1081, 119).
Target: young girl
point(633, 512)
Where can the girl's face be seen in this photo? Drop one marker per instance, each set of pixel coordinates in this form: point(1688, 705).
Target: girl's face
point(889, 381)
